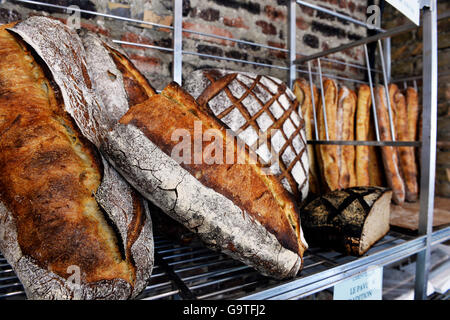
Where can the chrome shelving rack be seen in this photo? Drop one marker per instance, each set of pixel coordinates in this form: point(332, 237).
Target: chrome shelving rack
point(194, 272)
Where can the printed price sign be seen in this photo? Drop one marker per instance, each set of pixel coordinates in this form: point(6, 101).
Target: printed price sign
point(367, 285)
point(410, 8)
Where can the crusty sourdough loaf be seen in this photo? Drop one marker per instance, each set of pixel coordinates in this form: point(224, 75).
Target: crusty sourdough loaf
point(263, 112)
point(349, 220)
point(302, 91)
point(64, 211)
point(235, 207)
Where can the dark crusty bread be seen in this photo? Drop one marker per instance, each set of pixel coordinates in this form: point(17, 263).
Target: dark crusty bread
point(349, 220)
point(302, 91)
point(235, 207)
point(78, 215)
point(263, 112)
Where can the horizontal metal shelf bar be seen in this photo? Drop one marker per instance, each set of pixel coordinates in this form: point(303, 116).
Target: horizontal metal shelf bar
point(136, 44)
point(200, 250)
point(95, 13)
point(235, 60)
point(390, 33)
point(162, 295)
point(216, 293)
point(332, 76)
point(208, 264)
point(321, 280)
point(215, 273)
point(194, 259)
point(350, 64)
point(206, 284)
point(10, 285)
point(11, 294)
point(367, 143)
point(235, 40)
point(338, 15)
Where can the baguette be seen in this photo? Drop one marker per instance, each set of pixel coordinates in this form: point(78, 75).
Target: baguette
point(362, 134)
point(328, 154)
point(262, 112)
point(389, 154)
point(406, 154)
point(302, 91)
point(79, 231)
point(345, 131)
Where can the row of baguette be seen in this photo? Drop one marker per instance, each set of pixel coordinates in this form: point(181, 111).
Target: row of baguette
point(349, 116)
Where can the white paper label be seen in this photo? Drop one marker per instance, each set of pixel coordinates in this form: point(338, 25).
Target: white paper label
point(410, 8)
point(367, 285)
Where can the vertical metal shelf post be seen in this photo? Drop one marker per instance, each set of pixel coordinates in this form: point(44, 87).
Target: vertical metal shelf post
point(292, 7)
point(177, 40)
point(428, 154)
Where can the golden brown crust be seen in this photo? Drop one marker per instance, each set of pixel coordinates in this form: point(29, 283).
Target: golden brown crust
point(345, 132)
point(58, 221)
point(412, 109)
point(302, 91)
point(328, 154)
point(390, 157)
point(266, 200)
point(362, 134)
point(137, 87)
point(406, 154)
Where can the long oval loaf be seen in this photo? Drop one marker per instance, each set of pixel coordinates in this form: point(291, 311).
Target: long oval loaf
point(233, 207)
point(349, 220)
point(70, 226)
point(389, 154)
point(263, 112)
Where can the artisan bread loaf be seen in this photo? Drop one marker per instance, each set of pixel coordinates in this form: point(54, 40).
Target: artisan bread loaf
point(235, 208)
point(345, 132)
point(389, 154)
point(406, 154)
point(302, 91)
point(349, 220)
point(70, 226)
point(262, 112)
point(369, 171)
point(328, 154)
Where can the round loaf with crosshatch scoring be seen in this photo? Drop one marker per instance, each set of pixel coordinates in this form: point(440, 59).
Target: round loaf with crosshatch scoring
point(349, 220)
point(70, 225)
point(263, 112)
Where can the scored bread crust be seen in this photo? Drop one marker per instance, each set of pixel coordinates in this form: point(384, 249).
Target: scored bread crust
point(232, 207)
point(108, 199)
point(263, 113)
point(389, 154)
point(302, 91)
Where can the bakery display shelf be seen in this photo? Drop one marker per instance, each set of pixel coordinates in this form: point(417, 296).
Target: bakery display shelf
point(193, 271)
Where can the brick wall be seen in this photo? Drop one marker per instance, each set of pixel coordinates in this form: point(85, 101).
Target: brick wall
point(407, 61)
point(263, 22)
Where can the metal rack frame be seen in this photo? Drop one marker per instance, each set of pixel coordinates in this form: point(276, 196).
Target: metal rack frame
point(393, 247)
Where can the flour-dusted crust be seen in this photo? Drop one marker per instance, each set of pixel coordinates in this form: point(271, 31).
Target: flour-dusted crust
point(64, 56)
point(220, 223)
point(256, 107)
